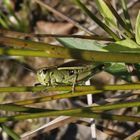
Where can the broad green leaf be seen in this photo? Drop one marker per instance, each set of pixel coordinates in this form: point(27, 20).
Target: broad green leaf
point(119, 70)
point(126, 45)
point(106, 13)
point(137, 30)
point(83, 44)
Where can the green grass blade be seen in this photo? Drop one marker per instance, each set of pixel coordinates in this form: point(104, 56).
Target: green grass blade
point(55, 97)
point(20, 43)
point(106, 13)
point(80, 112)
point(75, 54)
point(107, 107)
point(7, 107)
point(62, 52)
point(119, 19)
point(4, 21)
point(10, 132)
point(68, 88)
point(137, 29)
point(95, 19)
point(3, 24)
point(79, 91)
point(126, 14)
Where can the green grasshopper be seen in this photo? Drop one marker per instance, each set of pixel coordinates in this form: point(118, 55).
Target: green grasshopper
point(70, 73)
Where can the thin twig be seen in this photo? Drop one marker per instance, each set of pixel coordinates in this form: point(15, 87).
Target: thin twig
point(133, 136)
point(16, 34)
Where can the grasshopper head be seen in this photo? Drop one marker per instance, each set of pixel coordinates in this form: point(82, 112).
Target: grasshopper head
point(43, 76)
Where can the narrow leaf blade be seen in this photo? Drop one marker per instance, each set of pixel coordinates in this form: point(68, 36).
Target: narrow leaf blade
point(95, 19)
point(106, 13)
point(138, 29)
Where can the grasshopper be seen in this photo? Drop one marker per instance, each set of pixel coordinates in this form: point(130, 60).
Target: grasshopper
point(70, 73)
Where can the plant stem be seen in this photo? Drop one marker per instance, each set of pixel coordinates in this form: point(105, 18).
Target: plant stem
point(75, 113)
point(47, 50)
point(68, 88)
point(19, 108)
point(54, 97)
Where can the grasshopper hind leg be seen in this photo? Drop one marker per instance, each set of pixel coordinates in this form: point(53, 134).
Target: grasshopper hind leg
point(73, 87)
point(74, 84)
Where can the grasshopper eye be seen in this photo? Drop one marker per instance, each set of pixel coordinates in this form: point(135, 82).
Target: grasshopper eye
point(71, 72)
point(44, 71)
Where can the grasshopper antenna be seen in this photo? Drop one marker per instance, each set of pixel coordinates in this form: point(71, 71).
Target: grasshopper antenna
point(30, 69)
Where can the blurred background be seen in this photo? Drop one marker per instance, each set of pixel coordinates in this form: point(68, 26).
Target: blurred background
point(29, 16)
